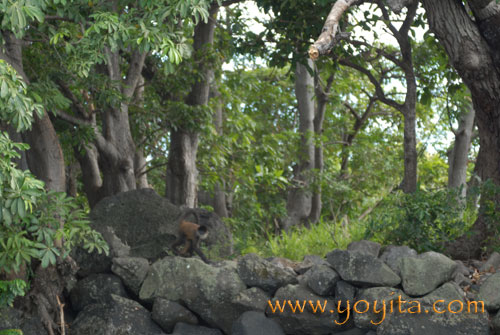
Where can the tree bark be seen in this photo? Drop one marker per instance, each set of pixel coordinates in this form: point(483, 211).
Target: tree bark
point(472, 52)
point(299, 196)
point(318, 162)
point(220, 201)
point(182, 175)
point(458, 157)
point(45, 158)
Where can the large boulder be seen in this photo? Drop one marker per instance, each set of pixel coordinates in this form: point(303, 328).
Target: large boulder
point(258, 272)
point(168, 313)
point(11, 318)
point(96, 288)
point(147, 223)
point(392, 256)
point(118, 316)
point(362, 269)
point(132, 271)
point(424, 273)
point(490, 292)
point(321, 279)
point(365, 247)
point(207, 290)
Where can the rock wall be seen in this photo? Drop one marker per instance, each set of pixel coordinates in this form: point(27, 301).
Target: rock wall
point(363, 290)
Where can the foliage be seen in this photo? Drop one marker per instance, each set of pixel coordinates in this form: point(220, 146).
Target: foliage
point(11, 289)
point(424, 220)
point(32, 220)
point(301, 241)
point(11, 332)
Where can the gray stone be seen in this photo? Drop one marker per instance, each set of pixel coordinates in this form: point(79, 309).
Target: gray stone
point(492, 264)
point(96, 288)
point(424, 273)
point(308, 262)
point(252, 299)
point(168, 313)
point(495, 324)
point(373, 305)
point(362, 269)
point(448, 292)
point(11, 318)
point(393, 254)
point(345, 293)
point(186, 329)
point(321, 280)
point(255, 323)
point(148, 223)
point(118, 316)
point(256, 271)
point(305, 321)
point(206, 290)
point(430, 323)
point(365, 247)
point(132, 271)
point(490, 292)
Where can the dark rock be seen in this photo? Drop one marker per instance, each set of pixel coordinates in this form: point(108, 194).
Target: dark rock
point(257, 272)
point(147, 223)
point(252, 299)
point(353, 331)
point(306, 321)
point(284, 263)
point(167, 314)
point(424, 273)
point(11, 318)
point(495, 324)
point(393, 254)
point(206, 290)
point(361, 269)
point(96, 288)
point(490, 292)
point(186, 329)
point(321, 280)
point(345, 293)
point(255, 323)
point(372, 305)
point(308, 262)
point(430, 323)
point(118, 316)
point(492, 264)
point(365, 247)
point(131, 270)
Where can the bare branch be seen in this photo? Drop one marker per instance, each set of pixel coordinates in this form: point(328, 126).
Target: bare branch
point(73, 119)
point(326, 39)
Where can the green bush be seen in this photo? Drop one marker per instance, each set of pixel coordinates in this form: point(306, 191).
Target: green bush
point(424, 220)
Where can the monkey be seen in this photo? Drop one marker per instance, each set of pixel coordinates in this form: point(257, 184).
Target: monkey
point(190, 234)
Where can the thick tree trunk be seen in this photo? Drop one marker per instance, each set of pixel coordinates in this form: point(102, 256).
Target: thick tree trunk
point(409, 184)
point(182, 175)
point(299, 196)
point(458, 157)
point(45, 158)
point(472, 53)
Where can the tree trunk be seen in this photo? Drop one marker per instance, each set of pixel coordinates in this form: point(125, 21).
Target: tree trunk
point(318, 162)
point(472, 53)
point(182, 175)
point(45, 158)
point(91, 174)
point(299, 196)
point(220, 203)
point(458, 157)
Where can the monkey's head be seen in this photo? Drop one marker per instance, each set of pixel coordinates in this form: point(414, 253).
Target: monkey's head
point(202, 232)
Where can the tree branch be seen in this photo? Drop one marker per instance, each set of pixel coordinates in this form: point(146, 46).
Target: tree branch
point(326, 39)
point(134, 72)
